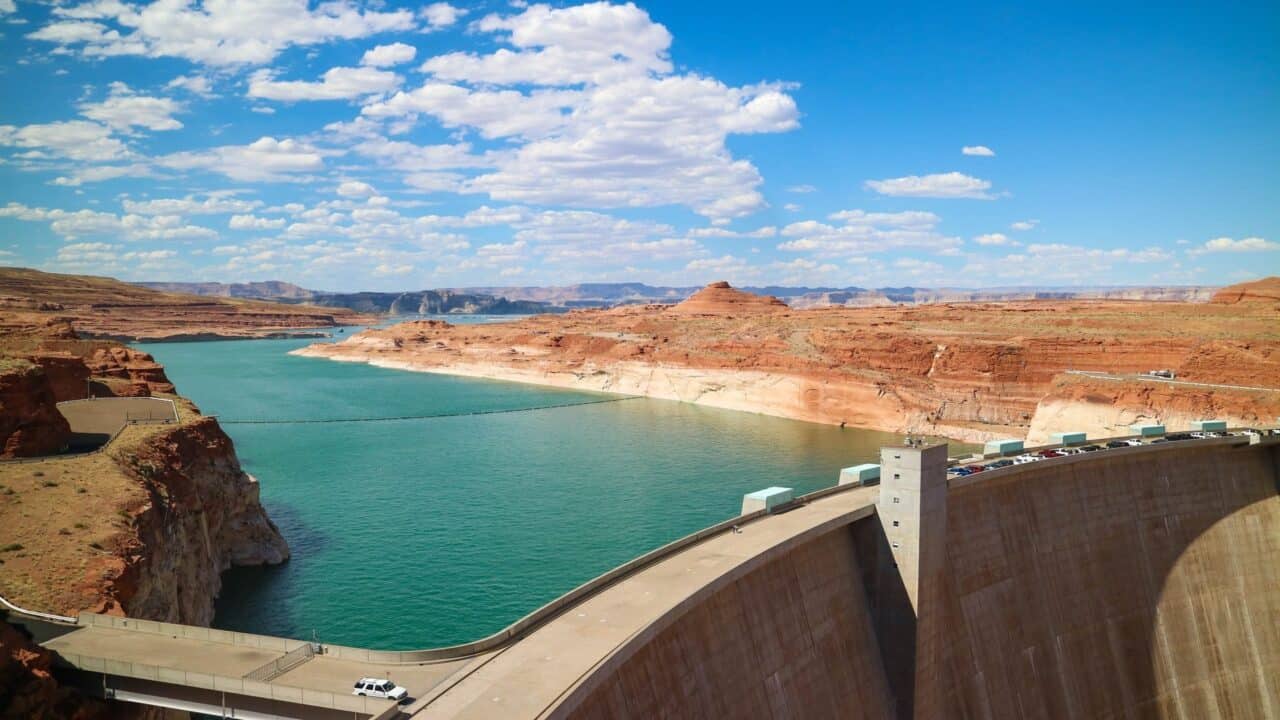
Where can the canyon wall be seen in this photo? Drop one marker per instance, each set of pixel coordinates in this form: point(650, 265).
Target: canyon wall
point(201, 516)
point(30, 424)
point(1105, 407)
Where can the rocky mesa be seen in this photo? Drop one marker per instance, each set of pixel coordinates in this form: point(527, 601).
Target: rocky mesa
point(966, 370)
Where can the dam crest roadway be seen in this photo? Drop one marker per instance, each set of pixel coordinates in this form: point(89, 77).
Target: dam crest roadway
point(1088, 585)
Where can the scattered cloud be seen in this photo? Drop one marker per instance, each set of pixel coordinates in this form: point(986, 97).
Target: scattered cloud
point(1226, 244)
point(253, 222)
point(124, 109)
point(995, 239)
point(802, 189)
point(340, 83)
point(1023, 225)
point(863, 233)
point(81, 140)
point(978, 151)
point(389, 55)
point(440, 15)
point(265, 159)
point(355, 188)
point(230, 32)
point(940, 185)
point(80, 223)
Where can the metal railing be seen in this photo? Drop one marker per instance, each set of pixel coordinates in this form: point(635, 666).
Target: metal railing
point(281, 665)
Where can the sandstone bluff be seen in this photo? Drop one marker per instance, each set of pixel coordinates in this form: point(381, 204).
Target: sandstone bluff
point(968, 371)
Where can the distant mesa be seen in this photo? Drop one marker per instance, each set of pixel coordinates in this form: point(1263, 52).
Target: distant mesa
point(720, 298)
point(1266, 290)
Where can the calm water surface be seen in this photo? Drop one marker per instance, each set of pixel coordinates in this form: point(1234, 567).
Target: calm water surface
point(419, 533)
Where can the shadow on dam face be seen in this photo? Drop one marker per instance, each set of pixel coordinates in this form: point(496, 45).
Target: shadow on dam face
point(1132, 585)
point(1136, 586)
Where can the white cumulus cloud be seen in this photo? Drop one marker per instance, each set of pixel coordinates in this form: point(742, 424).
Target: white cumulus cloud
point(978, 150)
point(1226, 244)
point(939, 185)
point(221, 32)
point(389, 55)
point(340, 83)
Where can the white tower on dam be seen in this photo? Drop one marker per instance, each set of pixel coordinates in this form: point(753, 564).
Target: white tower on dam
point(912, 573)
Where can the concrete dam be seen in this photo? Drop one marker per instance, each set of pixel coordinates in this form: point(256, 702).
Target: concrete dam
point(1140, 583)
point(1136, 582)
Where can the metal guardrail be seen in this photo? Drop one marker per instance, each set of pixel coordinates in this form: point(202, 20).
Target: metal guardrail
point(281, 665)
point(37, 614)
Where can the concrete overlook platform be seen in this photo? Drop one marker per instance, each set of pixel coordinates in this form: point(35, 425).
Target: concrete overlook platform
point(1138, 582)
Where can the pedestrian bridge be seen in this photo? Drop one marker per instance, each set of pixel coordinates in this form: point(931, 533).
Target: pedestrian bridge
point(1079, 586)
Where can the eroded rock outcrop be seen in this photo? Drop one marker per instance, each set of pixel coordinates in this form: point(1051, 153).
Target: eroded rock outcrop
point(30, 423)
point(1266, 291)
point(1104, 407)
point(720, 298)
point(129, 372)
point(201, 516)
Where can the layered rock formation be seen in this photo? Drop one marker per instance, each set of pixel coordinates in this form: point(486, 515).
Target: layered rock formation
point(200, 515)
point(128, 372)
point(30, 424)
point(1105, 407)
point(719, 298)
point(106, 308)
point(1266, 291)
point(964, 371)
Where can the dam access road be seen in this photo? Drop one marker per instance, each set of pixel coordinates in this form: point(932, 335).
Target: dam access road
point(1134, 582)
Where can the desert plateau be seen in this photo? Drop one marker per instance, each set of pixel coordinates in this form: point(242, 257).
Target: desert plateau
point(974, 371)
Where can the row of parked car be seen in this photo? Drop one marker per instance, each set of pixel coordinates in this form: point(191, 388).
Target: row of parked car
point(964, 470)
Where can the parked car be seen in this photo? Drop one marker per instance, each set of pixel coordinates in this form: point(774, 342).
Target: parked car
point(975, 468)
point(1178, 436)
point(1023, 459)
point(999, 464)
point(958, 471)
point(380, 688)
point(1200, 435)
point(1050, 453)
point(1090, 448)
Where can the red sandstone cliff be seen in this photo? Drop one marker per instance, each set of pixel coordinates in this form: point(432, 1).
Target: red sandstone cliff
point(126, 372)
point(1266, 291)
point(30, 423)
point(198, 516)
point(971, 371)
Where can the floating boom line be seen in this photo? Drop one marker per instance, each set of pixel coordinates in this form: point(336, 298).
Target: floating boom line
point(391, 418)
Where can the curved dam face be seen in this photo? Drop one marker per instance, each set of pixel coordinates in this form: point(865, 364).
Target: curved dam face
point(1139, 583)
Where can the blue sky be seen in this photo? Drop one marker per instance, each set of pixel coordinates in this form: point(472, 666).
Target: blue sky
point(384, 145)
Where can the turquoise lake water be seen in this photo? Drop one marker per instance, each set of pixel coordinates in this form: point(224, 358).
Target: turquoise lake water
point(420, 533)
